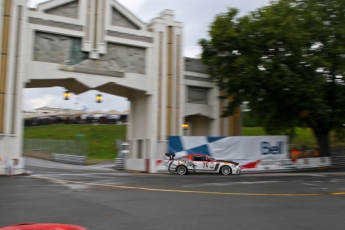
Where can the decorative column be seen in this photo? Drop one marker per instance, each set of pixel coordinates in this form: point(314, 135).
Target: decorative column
point(12, 22)
point(168, 34)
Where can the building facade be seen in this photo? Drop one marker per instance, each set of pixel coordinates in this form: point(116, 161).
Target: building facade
point(99, 45)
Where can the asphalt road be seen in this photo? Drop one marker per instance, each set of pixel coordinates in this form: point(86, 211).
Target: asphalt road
point(112, 200)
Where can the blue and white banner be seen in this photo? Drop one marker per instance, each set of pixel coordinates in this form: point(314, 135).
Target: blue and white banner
point(231, 148)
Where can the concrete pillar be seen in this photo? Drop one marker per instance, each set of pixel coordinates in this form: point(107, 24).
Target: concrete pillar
point(12, 22)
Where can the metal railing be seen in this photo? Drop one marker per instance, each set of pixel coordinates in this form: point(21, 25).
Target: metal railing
point(338, 161)
point(69, 147)
point(338, 151)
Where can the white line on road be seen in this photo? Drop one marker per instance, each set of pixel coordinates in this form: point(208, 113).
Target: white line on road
point(310, 184)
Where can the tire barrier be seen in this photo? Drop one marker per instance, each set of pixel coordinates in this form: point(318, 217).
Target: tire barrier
point(119, 163)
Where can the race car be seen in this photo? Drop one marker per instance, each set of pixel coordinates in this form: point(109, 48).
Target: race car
point(200, 163)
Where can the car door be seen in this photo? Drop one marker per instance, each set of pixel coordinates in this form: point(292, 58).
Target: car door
point(202, 163)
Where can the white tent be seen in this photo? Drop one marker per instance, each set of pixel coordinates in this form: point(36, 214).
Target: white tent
point(98, 112)
point(37, 115)
point(125, 112)
point(75, 112)
point(114, 112)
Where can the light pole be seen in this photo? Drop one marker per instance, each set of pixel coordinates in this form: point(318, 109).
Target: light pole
point(99, 98)
point(185, 128)
point(67, 94)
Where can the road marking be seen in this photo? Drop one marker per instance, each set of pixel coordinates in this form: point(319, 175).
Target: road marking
point(231, 183)
point(338, 193)
point(310, 184)
point(189, 191)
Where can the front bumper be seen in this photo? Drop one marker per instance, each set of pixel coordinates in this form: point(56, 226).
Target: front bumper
point(238, 170)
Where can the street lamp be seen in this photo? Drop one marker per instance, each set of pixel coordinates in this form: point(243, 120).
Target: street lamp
point(66, 95)
point(185, 128)
point(99, 98)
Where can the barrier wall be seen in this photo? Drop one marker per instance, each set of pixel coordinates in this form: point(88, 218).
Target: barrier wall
point(270, 164)
point(135, 164)
point(285, 164)
point(12, 167)
point(45, 155)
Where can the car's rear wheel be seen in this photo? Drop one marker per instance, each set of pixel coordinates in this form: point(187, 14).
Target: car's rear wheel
point(225, 170)
point(182, 170)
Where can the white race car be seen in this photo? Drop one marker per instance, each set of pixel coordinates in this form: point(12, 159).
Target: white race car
point(200, 163)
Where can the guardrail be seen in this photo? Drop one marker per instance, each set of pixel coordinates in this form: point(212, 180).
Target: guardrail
point(70, 159)
point(338, 161)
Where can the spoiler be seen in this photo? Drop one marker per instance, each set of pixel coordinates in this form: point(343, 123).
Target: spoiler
point(170, 155)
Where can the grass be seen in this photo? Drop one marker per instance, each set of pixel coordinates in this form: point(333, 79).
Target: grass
point(101, 138)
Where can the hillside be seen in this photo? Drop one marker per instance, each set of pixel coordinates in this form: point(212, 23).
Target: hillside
point(101, 138)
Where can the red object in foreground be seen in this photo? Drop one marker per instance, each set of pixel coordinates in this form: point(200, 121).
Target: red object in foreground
point(35, 226)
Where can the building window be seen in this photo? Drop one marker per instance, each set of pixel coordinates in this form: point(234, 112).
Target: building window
point(140, 149)
point(197, 95)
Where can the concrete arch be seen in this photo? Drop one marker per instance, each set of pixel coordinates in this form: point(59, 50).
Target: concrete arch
point(88, 51)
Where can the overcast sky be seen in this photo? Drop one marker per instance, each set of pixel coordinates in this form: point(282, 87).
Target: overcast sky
point(196, 16)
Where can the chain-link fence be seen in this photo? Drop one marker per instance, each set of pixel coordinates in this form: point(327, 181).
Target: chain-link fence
point(70, 147)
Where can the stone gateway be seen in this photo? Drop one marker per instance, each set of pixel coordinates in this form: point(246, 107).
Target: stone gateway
point(99, 45)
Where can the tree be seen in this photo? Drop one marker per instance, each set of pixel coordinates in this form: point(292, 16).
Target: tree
point(287, 61)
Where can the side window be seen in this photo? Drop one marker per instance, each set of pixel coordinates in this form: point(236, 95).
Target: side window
point(199, 159)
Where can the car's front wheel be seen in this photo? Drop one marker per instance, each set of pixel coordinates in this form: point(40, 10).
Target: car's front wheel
point(182, 170)
point(225, 170)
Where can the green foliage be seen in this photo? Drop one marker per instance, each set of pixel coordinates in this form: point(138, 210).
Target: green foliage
point(287, 61)
point(100, 138)
point(249, 119)
point(304, 136)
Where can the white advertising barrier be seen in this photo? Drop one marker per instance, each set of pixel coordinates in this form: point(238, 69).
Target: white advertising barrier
point(161, 165)
point(313, 162)
point(270, 164)
point(267, 164)
point(248, 165)
point(253, 153)
point(284, 164)
point(231, 148)
point(249, 148)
